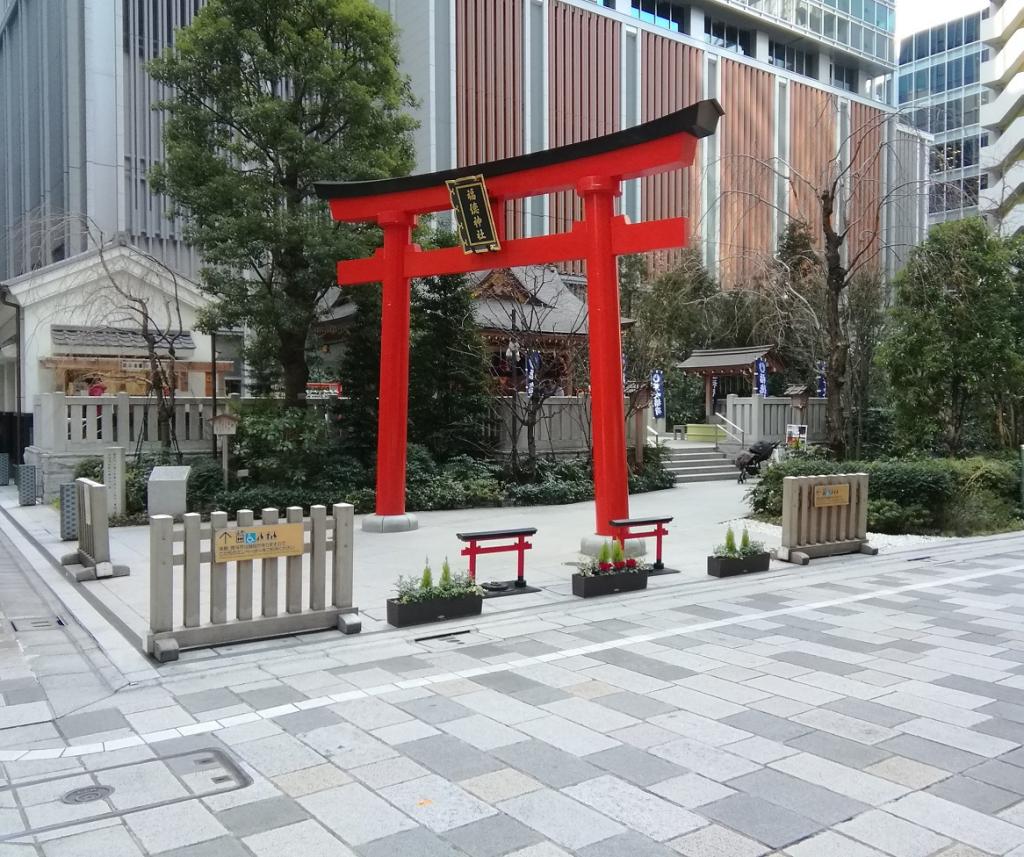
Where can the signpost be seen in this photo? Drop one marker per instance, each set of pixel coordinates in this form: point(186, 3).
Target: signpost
point(225, 426)
point(265, 542)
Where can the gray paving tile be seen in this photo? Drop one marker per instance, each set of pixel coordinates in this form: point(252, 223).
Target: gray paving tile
point(629, 843)
point(207, 700)
point(873, 712)
point(107, 842)
point(892, 835)
point(494, 836)
point(355, 813)
point(998, 773)
point(1000, 728)
point(450, 757)
point(931, 753)
point(278, 754)
point(226, 846)
point(540, 695)
point(255, 817)
point(174, 826)
point(717, 841)
point(959, 823)
point(304, 839)
point(301, 722)
point(797, 795)
point(767, 725)
point(640, 810)
point(434, 709)
point(91, 722)
point(269, 697)
point(436, 803)
point(635, 765)
point(761, 820)
point(838, 749)
point(814, 662)
point(546, 763)
point(410, 843)
point(561, 819)
point(507, 681)
point(641, 664)
point(635, 705)
point(973, 793)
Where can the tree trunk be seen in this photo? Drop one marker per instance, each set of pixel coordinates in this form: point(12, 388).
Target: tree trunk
point(295, 370)
point(838, 346)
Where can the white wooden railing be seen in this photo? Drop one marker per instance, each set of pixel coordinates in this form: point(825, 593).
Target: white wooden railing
point(766, 418)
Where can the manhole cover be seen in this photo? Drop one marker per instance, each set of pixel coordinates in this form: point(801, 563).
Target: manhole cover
point(87, 794)
point(37, 623)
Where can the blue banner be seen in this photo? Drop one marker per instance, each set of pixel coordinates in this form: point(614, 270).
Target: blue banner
point(822, 383)
point(761, 369)
point(532, 368)
point(658, 393)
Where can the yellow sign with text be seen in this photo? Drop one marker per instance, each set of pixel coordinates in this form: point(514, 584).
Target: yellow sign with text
point(832, 495)
point(264, 542)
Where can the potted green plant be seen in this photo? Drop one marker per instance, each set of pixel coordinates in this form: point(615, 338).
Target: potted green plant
point(420, 600)
point(730, 559)
point(610, 571)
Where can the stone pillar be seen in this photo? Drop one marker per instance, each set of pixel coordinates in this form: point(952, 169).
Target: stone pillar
point(114, 479)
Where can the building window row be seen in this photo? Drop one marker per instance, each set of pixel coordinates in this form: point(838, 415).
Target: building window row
point(942, 38)
point(956, 154)
point(792, 59)
point(671, 16)
point(844, 77)
point(949, 116)
point(955, 194)
point(940, 77)
point(729, 36)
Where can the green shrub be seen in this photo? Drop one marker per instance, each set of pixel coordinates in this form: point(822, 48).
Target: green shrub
point(549, 493)
point(925, 496)
point(282, 446)
point(205, 481)
point(89, 468)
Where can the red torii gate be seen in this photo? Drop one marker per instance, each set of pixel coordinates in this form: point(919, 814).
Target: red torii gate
point(595, 169)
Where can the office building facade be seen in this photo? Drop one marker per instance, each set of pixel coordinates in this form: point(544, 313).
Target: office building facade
point(1003, 115)
point(940, 92)
point(804, 86)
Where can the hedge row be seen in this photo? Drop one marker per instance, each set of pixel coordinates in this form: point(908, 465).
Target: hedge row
point(922, 496)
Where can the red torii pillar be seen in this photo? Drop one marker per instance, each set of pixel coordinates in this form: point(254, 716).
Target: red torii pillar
point(595, 170)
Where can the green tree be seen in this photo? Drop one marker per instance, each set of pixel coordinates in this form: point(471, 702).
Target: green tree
point(360, 374)
point(268, 99)
point(953, 349)
point(449, 379)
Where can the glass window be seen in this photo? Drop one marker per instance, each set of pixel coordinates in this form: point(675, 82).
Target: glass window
point(938, 119)
point(971, 190)
point(869, 11)
point(881, 17)
point(855, 8)
point(856, 39)
point(905, 93)
point(938, 83)
point(815, 19)
point(906, 51)
point(955, 73)
point(954, 114)
point(869, 41)
point(970, 152)
point(921, 83)
point(972, 28)
point(970, 110)
point(955, 34)
point(972, 68)
point(843, 31)
point(921, 119)
point(921, 45)
point(830, 25)
point(938, 39)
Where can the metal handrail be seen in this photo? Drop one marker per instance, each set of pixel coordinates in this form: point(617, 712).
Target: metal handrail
point(726, 423)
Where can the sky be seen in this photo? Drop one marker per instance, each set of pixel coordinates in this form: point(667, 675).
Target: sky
point(914, 15)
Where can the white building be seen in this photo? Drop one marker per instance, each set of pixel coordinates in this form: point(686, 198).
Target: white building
point(1003, 116)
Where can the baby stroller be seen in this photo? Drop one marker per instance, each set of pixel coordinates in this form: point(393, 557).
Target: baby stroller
point(749, 463)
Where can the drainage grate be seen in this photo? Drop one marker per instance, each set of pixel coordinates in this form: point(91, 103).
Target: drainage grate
point(87, 794)
point(444, 638)
point(37, 623)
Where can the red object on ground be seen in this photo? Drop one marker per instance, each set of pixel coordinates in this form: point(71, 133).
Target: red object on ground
point(520, 545)
point(622, 529)
point(595, 170)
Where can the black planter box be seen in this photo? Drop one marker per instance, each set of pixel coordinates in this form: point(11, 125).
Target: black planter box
point(720, 566)
point(435, 610)
point(587, 586)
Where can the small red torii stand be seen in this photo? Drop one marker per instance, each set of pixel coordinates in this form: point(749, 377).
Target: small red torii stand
point(595, 170)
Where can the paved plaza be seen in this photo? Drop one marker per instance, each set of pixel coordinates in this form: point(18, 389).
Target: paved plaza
point(863, 706)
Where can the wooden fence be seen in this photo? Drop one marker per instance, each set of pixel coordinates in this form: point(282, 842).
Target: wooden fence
point(824, 516)
point(205, 605)
point(766, 418)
